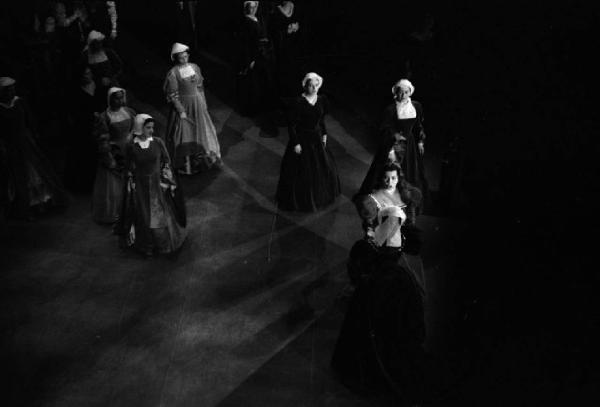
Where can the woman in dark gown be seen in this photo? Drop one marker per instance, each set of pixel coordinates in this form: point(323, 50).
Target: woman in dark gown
point(105, 64)
point(153, 212)
point(284, 27)
point(380, 347)
point(256, 90)
point(402, 140)
point(309, 179)
point(113, 133)
point(34, 186)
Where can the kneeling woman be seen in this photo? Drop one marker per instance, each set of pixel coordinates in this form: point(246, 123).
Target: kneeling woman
point(309, 179)
point(380, 346)
point(153, 213)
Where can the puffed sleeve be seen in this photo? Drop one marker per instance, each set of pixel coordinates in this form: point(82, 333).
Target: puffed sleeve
point(199, 75)
point(171, 89)
point(102, 136)
point(388, 127)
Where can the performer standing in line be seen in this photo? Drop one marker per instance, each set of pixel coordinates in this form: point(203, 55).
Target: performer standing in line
point(191, 134)
point(309, 179)
point(284, 27)
point(153, 212)
point(113, 132)
point(402, 140)
point(32, 182)
point(256, 87)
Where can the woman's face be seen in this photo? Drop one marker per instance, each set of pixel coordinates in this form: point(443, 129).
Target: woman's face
point(390, 179)
point(402, 93)
point(183, 58)
point(7, 93)
point(117, 100)
point(148, 129)
point(252, 9)
point(310, 87)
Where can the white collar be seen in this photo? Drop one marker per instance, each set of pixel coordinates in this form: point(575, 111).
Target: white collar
point(253, 18)
point(311, 99)
point(405, 109)
point(143, 144)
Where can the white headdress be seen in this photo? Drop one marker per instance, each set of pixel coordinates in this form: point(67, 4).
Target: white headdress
point(313, 77)
point(112, 90)
point(177, 48)
point(403, 83)
point(138, 125)
point(95, 36)
point(6, 81)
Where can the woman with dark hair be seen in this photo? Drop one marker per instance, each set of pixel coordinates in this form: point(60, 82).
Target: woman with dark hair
point(402, 140)
point(191, 134)
point(380, 346)
point(309, 179)
point(34, 186)
point(113, 134)
point(153, 213)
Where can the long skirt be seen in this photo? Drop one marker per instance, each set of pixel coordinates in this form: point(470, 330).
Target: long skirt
point(308, 181)
point(108, 196)
point(195, 136)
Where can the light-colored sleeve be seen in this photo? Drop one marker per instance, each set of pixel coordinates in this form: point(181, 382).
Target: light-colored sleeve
point(171, 89)
point(200, 77)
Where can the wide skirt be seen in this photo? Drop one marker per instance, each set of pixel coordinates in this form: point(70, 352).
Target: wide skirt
point(107, 197)
point(195, 136)
point(308, 181)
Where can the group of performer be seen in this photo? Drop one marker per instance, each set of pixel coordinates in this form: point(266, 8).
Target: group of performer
point(136, 184)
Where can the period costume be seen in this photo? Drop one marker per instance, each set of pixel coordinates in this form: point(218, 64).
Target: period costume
point(153, 212)
point(31, 181)
point(194, 136)
point(106, 67)
point(309, 180)
point(80, 167)
point(284, 30)
point(401, 132)
point(113, 134)
point(256, 85)
point(380, 346)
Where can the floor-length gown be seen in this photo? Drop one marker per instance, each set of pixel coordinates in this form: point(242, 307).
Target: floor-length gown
point(31, 178)
point(380, 345)
point(153, 214)
point(309, 180)
point(194, 136)
point(113, 133)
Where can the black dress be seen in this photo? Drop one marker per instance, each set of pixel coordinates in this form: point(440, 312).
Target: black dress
point(407, 151)
point(30, 177)
point(308, 181)
point(286, 44)
point(256, 87)
point(380, 346)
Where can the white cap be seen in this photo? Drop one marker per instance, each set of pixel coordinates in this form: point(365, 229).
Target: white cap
point(314, 77)
point(5, 81)
point(112, 90)
point(404, 83)
point(138, 125)
point(177, 48)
